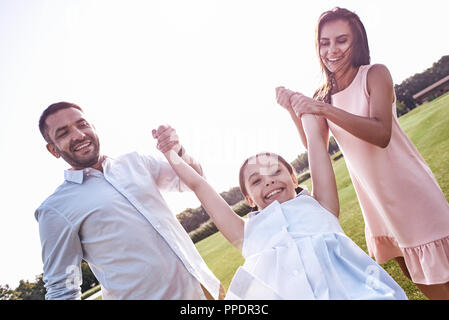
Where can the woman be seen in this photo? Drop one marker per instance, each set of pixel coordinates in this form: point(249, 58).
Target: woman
point(406, 214)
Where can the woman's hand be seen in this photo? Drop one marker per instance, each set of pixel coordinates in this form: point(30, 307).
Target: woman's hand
point(374, 128)
point(302, 104)
point(297, 102)
point(283, 96)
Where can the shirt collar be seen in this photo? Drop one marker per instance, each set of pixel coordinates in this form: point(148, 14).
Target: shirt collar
point(74, 175)
point(77, 176)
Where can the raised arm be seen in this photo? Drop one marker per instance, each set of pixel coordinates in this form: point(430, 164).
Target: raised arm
point(284, 98)
point(167, 139)
point(324, 187)
point(374, 128)
point(227, 221)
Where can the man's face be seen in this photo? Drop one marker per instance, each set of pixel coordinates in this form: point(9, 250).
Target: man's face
point(73, 138)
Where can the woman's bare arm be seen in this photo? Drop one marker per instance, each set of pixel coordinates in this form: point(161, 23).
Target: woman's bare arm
point(374, 128)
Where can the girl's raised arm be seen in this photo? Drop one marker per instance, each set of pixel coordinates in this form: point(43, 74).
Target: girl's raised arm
point(283, 97)
point(227, 221)
point(324, 187)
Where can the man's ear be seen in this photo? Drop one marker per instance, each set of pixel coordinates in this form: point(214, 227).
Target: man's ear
point(250, 201)
point(51, 148)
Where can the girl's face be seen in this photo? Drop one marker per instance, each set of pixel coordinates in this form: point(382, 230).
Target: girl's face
point(336, 41)
point(268, 180)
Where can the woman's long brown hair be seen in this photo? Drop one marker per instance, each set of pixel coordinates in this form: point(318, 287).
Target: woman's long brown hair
point(359, 50)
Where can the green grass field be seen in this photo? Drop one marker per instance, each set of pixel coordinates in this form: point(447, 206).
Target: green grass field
point(427, 126)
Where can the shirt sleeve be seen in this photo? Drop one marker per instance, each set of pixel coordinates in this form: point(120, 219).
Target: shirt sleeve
point(166, 178)
point(61, 256)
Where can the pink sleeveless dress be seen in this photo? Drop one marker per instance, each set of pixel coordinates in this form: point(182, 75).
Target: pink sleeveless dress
point(405, 211)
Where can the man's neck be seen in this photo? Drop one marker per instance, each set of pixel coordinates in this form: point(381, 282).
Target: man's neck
point(97, 166)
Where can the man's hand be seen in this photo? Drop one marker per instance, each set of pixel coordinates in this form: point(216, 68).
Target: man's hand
point(167, 139)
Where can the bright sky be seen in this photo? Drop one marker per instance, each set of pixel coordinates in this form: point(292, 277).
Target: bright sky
point(208, 68)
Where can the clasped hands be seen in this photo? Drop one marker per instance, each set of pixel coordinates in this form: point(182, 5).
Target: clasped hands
point(167, 139)
point(297, 102)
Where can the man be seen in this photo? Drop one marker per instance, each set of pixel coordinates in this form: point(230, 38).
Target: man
point(110, 213)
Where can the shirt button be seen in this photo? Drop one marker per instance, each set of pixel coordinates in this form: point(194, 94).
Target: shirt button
point(295, 272)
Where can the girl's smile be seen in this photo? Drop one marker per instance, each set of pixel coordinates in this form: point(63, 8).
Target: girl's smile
point(274, 194)
point(267, 182)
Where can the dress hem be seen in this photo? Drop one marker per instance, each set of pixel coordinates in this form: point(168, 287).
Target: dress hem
point(427, 263)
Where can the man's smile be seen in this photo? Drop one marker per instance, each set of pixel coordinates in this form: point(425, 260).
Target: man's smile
point(81, 146)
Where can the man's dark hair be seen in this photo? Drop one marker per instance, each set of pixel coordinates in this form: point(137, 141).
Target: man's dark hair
point(51, 109)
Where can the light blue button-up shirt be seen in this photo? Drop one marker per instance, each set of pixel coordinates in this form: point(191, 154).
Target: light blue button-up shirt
point(120, 224)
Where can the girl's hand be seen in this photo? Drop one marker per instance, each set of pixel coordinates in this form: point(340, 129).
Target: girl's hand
point(302, 104)
point(283, 96)
point(167, 139)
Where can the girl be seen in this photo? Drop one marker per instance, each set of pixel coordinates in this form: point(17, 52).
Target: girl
point(406, 214)
point(294, 247)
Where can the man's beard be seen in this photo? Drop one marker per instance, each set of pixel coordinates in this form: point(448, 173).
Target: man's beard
point(75, 161)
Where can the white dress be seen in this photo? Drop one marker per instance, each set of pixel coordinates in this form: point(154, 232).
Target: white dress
point(298, 250)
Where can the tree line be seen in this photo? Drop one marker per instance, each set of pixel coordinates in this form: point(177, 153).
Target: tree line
point(416, 83)
point(27, 290)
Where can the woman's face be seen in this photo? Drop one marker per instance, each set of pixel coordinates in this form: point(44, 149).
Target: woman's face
point(267, 180)
point(336, 41)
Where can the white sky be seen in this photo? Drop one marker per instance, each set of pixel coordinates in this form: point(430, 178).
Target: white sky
point(208, 68)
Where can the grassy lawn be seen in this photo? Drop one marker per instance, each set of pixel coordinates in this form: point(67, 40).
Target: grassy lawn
point(428, 128)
